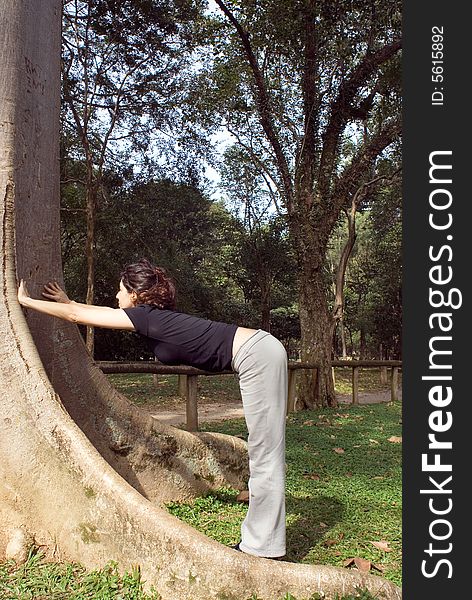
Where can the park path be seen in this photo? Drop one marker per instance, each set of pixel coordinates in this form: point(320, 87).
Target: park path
point(222, 411)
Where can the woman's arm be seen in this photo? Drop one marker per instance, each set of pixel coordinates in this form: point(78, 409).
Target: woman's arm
point(83, 314)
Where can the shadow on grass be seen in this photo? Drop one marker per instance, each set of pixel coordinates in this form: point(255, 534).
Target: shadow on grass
point(309, 518)
point(313, 518)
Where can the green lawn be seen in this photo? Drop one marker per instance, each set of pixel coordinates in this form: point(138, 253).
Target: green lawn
point(343, 489)
point(343, 493)
point(39, 579)
point(369, 380)
point(141, 389)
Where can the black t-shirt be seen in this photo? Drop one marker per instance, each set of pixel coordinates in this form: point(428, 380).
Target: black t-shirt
point(180, 339)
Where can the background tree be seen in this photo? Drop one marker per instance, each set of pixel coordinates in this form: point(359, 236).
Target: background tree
point(264, 262)
point(361, 197)
point(292, 81)
point(225, 268)
point(372, 307)
point(386, 288)
point(117, 95)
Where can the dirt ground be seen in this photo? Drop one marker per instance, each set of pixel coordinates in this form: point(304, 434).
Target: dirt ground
point(214, 411)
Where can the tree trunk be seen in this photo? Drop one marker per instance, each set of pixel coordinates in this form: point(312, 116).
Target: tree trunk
point(316, 320)
point(338, 309)
point(265, 312)
point(91, 214)
point(316, 324)
point(342, 331)
point(362, 344)
point(81, 469)
point(157, 460)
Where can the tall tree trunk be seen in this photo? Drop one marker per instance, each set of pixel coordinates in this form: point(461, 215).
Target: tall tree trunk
point(338, 309)
point(81, 469)
point(316, 324)
point(362, 343)
point(91, 212)
point(157, 460)
point(265, 309)
point(316, 388)
point(342, 331)
point(316, 320)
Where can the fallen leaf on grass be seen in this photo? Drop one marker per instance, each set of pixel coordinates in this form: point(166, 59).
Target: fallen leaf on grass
point(323, 524)
point(395, 439)
point(308, 423)
point(374, 441)
point(330, 542)
point(243, 496)
point(312, 476)
point(362, 564)
point(382, 545)
point(338, 450)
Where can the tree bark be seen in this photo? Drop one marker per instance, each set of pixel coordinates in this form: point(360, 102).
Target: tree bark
point(316, 321)
point(316, 389)
point(265, 309)
point(338, 309)
point(342, 331)
point(362, 343)
point(91, 217)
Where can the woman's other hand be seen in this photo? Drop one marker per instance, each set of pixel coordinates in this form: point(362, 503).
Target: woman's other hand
point(23, 293)
point(53, 291)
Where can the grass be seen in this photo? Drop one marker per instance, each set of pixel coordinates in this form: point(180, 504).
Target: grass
point(337, 502)
point(343, 489)
point(141, 389)
point(38, 579)
point(369, 380)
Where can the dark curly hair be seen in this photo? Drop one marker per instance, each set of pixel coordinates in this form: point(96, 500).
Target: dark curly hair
point(151, 284)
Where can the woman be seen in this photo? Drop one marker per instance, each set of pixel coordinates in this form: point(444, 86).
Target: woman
point(146, 301)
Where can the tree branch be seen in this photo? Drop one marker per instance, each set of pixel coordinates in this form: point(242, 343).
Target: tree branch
point(310, 95)
point(361, 192)
point(263, 105)
point(116, 109)
point(360, 165)
point(264, 171)
point(342, 109)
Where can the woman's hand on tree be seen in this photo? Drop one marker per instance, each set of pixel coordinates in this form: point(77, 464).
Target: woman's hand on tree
point(53, 291)
point(23, 293)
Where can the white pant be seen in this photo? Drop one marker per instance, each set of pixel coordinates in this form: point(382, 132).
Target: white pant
point(261, 368)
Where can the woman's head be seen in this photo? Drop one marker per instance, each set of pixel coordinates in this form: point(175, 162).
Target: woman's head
point(143, 283)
